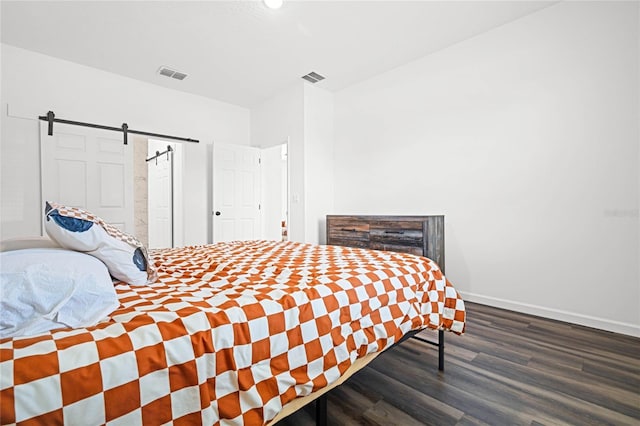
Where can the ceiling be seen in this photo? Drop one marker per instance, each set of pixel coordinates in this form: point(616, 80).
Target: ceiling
point(243, 53)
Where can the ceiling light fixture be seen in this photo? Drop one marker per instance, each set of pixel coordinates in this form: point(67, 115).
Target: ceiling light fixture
point(273, 4)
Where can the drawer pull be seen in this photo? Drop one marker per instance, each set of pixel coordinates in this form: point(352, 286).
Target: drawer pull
point(394, 232)
point(349, 229)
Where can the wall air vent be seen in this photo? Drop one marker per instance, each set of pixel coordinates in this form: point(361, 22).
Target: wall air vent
point(168, 72)
point(313, 77)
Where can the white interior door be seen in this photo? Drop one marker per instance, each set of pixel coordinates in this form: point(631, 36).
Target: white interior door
point(236, 192)
point(160, 195)
point(88, 168)
point(274, 191)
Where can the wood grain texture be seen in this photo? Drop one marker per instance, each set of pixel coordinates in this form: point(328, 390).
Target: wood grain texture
point(420, 235)
point(508, 369)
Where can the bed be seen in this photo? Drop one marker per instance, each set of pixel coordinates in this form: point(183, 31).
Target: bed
point(230, 333)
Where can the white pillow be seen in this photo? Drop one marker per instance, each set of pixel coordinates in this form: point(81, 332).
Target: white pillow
point(26, 243)
point(46, 288)
point(77, 229)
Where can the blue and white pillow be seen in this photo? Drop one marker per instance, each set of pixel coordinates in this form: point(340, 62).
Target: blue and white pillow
point(76, 229)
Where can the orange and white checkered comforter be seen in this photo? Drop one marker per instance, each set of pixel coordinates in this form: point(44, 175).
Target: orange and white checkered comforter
point(228, 335)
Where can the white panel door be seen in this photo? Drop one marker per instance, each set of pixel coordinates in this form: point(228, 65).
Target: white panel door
point(274, 191)
point(160, 202)
point(88, 168)
point(236, 192)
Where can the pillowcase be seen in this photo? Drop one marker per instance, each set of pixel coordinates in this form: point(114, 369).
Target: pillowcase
point(77, 229)
point(26, 243)
point(47, 288)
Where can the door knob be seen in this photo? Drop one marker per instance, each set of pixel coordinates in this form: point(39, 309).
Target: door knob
point(217, 213)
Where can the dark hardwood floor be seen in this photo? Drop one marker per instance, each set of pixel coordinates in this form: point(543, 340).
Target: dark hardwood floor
point(507, 369)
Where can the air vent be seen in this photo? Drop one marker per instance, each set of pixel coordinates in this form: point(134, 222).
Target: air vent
point(313, 77)
point(168, 72)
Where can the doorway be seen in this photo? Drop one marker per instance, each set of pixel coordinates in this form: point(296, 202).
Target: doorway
point(236, 192)
point(250, 192)
point(275, 195)
point(164, 211)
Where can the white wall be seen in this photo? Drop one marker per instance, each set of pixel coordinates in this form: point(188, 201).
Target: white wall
point(526, 138)
point(33, 84)
point(318, 136)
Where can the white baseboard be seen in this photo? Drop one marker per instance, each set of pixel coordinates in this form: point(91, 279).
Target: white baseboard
point(555, 314)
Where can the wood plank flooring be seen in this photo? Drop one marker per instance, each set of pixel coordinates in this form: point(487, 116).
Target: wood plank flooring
point(507, 369)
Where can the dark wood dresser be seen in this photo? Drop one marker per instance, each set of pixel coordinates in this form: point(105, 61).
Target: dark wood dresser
point(421, 235)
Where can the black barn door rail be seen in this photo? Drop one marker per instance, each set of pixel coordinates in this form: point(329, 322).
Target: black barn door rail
point(51, 118)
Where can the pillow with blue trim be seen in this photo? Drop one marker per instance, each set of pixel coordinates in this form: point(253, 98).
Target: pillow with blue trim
point(76, 229)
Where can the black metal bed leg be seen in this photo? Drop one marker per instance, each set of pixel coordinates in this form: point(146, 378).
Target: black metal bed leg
point(439, 344)
point(321, 410)
point(441, 350)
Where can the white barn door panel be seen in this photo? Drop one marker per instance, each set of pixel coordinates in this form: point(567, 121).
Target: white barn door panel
point(236, 192)
point(88, 168)
point(160, 202)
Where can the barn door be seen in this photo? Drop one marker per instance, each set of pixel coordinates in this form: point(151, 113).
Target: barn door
point(88, 168)
point(236, 192)
point(160, 194)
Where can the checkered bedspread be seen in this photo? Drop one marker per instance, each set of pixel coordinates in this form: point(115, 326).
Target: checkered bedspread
point(228, 335)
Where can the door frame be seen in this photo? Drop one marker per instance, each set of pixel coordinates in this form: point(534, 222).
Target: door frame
point(284, 202)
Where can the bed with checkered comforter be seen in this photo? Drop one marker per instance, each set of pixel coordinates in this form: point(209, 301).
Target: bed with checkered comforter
point(229, 334)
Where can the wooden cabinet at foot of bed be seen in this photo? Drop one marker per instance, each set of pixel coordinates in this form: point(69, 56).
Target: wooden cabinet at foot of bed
point(420, 235)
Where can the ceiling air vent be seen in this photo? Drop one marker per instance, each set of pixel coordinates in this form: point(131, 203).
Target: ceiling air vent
point(313, 77)
point(168, 72)
point(179, 75)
